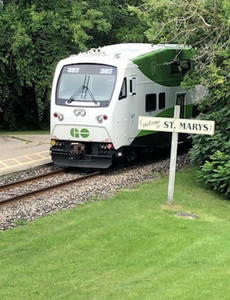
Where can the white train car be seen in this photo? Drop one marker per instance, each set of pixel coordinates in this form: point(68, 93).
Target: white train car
point(97, 97)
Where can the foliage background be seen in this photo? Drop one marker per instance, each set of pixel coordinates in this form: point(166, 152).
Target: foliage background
point(205, 26)
point(35, 35)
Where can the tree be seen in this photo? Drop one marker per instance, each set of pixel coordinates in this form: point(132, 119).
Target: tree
point(30, 42)
point(35, 35)
point(205, 26)
point(202, 24)
point(114, 23)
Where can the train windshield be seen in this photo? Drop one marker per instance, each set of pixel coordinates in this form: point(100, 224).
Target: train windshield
point(86, 84)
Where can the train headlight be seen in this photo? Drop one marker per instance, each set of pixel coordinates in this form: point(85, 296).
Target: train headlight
point(59, 116)
point(101, 118)
point(79, 112)
point(83, 113)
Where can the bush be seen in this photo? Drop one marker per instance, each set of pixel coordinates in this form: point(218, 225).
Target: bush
point(212, 153)
point(216, 172)
point(204, 145)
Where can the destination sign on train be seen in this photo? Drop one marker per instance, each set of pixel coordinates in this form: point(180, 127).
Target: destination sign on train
point(176, 125)
point(89, 69)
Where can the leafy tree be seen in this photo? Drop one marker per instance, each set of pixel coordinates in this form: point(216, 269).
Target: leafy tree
point(30, 42)
point(35, 35)
point(118, 24)
point(205, 26)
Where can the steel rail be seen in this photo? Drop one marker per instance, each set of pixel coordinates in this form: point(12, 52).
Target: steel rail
point(49, 188)
point(30, 179)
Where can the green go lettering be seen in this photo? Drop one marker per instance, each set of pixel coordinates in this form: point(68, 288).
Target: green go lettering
point(74, 132)
point(84, 133)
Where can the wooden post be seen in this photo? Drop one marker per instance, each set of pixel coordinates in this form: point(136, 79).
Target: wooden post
point(173, 157)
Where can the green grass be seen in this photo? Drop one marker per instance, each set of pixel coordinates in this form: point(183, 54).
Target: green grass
point(131, 246)
point(27, 132)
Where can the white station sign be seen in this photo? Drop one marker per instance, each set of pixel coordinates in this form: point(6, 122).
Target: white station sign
point(176, 125)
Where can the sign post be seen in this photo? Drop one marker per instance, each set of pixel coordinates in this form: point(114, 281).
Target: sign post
point(173, 157)
point(175, 125)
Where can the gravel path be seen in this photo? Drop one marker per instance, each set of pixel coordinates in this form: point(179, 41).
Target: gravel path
point(66, 198)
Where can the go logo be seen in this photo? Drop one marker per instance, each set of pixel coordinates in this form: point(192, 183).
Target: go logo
point(84, 133)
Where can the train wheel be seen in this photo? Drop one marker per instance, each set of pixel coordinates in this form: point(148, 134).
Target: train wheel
point(130, 155)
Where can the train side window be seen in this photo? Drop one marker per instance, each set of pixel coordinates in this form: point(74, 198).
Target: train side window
point(186, 66)
point(150, 102)
point(161, 100)
point(132, 85)
point(175, 68)
point(180, 67)
point(123, 92)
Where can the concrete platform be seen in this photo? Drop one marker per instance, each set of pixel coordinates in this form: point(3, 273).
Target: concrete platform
point(20, 152)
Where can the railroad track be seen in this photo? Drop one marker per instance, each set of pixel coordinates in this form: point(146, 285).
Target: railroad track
point(9, 188)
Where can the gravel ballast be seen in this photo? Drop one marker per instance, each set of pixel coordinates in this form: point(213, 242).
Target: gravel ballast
point(68, 197)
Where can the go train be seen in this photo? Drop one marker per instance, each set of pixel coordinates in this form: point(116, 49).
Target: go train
point(97, 97)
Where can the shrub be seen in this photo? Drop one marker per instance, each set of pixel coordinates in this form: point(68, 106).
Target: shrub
point(204, 145)
point(216, 173)
point(212, 153)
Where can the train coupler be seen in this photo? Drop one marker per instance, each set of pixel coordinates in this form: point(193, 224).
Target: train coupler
point(77, 148)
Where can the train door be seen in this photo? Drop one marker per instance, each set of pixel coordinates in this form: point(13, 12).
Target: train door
point(120, 116)
point(181, 100)
point(133, 107)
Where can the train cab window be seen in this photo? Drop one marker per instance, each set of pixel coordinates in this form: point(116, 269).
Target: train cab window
point(161, 101)
point(86, 84)
point(150, 102)
point(132, 85)
point(123, 92)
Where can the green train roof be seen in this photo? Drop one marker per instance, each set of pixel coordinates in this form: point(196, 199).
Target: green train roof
point(165, 64)
point(134, 50)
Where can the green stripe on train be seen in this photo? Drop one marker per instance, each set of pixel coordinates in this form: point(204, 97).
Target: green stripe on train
point(158, 65)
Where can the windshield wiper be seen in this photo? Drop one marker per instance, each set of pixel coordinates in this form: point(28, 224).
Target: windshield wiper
point(75, 94)
point(83, 90)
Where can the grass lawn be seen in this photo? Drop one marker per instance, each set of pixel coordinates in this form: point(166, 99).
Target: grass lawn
point(131, 246)
point(33, 132)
